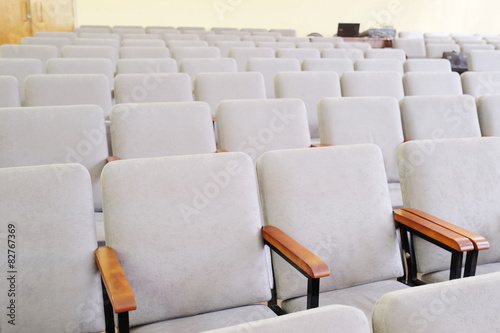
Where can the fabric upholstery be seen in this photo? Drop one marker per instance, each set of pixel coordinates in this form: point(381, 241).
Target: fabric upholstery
point(311, 87)
point(353, 54)
point(379, 64)
point(334, 318)
point(336, 65)
point(269, 67)
point(439, 117)
point(57, 42)
point(171, 44)
point(41, 52)
point(456, 180)
point(215, 87)
point(57, 284)
point(317, 45)
point(427, 65)
point(161, 129)
point(480, 84)
point(68, 89)
point(426, 83)
point(136, 52)
point(275, 45)
point(9, 91)
point(152, 65)
point(207, 65)
point(480, 60)
point(488, 112)
point(299, 54)
point(20, 68)
point(331, 200)
point(413, 47)
point(372, 84)
point(180, 53)
point(89, 51)
point(435, 50)
point(243, 54)
point(58, 34)
point(256, 126)
point(82, 66)
point(471, 47)
point(199, 248)
point(59, 134)
point(212, 39)
point(224, 46)
point(464, 305)
point(354, 45)
point(153, 87)
point(386, 53)
point(144, 42)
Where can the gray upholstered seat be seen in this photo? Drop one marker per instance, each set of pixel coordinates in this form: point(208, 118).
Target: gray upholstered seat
point(215, 87)
point(488, 108)
point(58, 134)
point(435, 50)
point(193, 67)
point(426, 83)
point(144, 42)
point(56, 34)
point(269, 67)
point(386, 54)
point(20, 68)
point(439, 117)
point(256, 126)
point(57, 42)
point(413, 47)
point(275, 45)
point(90, 51)
point(354, 45)
point(353, 54)
point(243, 54)
point(50, 280)
point(458, 181)
point(311, 87)
point(161, 129)
point(333, 318)
point(82, 66)
point(224, 46)
point(148, 65)
point(379, 64)
point(68, 89)
point(483, 60)
point(427, 65)
point(41, 52)
point(212, 39)
point(480, 84)
point(293, 39)
point(136, 52)
point(180, 53)
point(372, 83)
point(9, 91)
point(465, 305)
point(299, 54)
point(153, 87)
point(335, 202)
point(336, 65)
point(318, 45)
point(357, 120)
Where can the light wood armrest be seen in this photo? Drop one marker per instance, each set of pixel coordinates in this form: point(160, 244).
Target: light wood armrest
point(112, 158)
point(444, 236)
point(221, 151)
point(480, 243)
point(119, 291)
point(316, 145)
point(299, 255)
point(213, 118)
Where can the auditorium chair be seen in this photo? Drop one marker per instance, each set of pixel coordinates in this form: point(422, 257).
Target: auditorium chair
point(193, 67)
point(9, 91)
point(269, 67)
point(136, 52)
point(299, 54)
point(379, 64)
point(372, 83)
point(335, 65)
point(386, 54)
point(243, 54)
point(488, 108)
point(191, 52)
point(144, 42)
point(427, 83)
point(483, 60)
point(480, 84)
point(353, 54)
point(224, 46)
point(148, 65)
point(427, 65)
point(41, 52)
point(57, 42)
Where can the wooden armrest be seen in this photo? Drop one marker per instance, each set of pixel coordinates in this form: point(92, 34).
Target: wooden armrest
point(480, 243)
point(442, 235)
point(221, 151)
point(119, 291)
point(112, 158)
point(316, 145)
point(299, 255)
point(213, 118)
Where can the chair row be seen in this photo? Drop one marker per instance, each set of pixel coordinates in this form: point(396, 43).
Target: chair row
point(121, 29)
point(325, 200)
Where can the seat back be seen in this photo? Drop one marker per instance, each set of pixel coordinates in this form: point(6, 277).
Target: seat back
point(372, 83)
point(335, 65)
point(57, 42)
point(224, 46)
point(427, 65)
point(49, 239)
point(455, 180)
point(436, 50)
point(439, 117)
point(144, 42)
point(483, 60)
point(256, 126)
point(353, 54)
point(426, 83)
point(202, 230)
point(433, 308)
point(413, 47)
point(41, 52)
point(193, 67)
point(180, 53)
point(299, 54)
point(215, 87)
point(90, 51)
point(153, 87)
point(9, 91)
point(488, 111)
point(20, 68)
point(59, 134)
point(480, 84)
point(138, 52)
point(68, 89)
point(243, 54)
point(82, 66)
point(330, 200)
point(311, 87)
point(386, 54)
point(269, 67)
point(152, 65)
point(379, 64)
point(161, 129)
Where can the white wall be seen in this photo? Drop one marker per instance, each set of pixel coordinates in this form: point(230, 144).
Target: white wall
point(305, 16)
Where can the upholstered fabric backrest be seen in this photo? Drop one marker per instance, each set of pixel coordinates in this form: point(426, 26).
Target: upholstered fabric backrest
point(483, 60)
point(439, 117)
point(224, 46)
point(215, 87)
point(299, 54)
point(179, 53)
point(379, 64)
point(144, 42)
point(426, 83)
point(89, 51)
point(386, 54)
point(311, 87)
point(153, 87)
point(243, 54)
point(57, 34)
point(355, 120)
point(435, 50)
point(335, 202)
point(480, 84)
point(57, 42)
point(68, 89)
point(433, 308)
point(41, 52)
point(151, 65)
point(9, 91)
point(51, 281)
point(384, 83)
point(413, 47)
point(488, 108)
point(427, 65)
point(187, 231)
point(138, 52)
point(161, 129)
point(457, 180)
point(59, 134)
point(82, 66)
point(350, 45)
point(335, 65)
point(256, 126)
point(20, 68)
point(353, 54)
point(207, 65)
point(269, 67)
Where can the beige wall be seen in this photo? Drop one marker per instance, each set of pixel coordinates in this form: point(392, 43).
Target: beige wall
point(305, 16)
